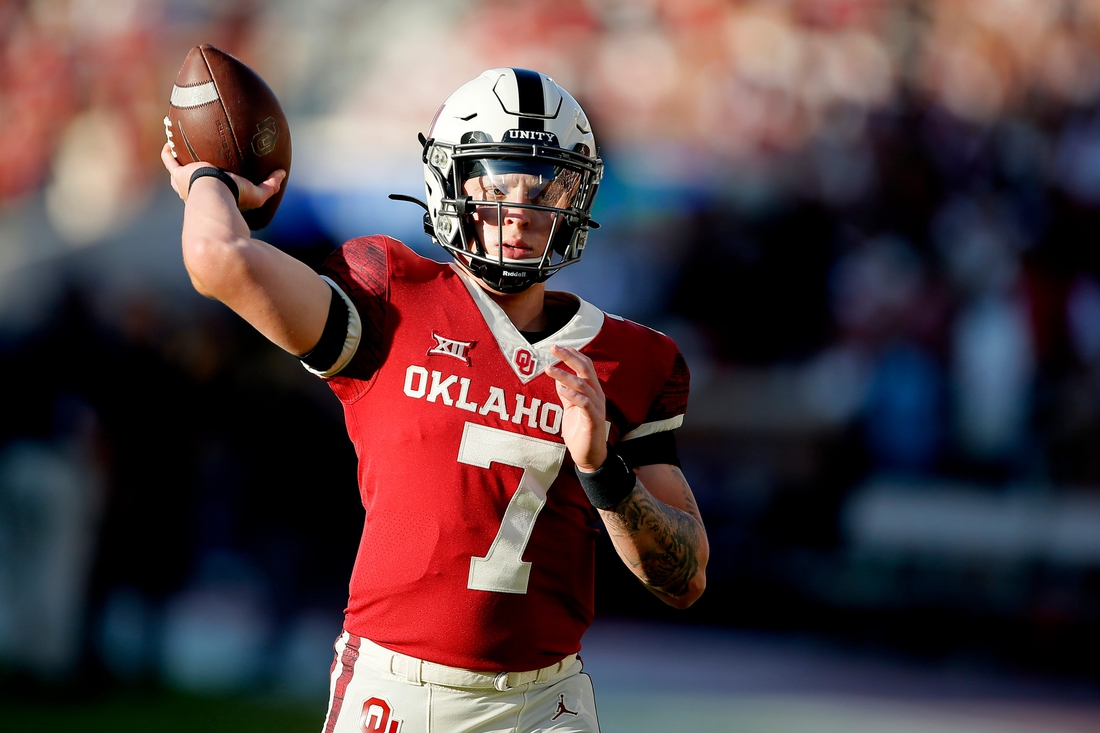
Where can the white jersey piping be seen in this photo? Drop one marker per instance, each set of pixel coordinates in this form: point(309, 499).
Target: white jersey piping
point(657, 426)
point(576, 334)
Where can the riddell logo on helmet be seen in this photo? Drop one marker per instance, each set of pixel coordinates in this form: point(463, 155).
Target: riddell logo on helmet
point(528, 136)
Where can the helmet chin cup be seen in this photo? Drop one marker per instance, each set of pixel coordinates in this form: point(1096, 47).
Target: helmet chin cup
point(509, 121)
point(506, 281)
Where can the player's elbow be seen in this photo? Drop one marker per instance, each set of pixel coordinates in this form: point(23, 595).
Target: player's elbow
point(694, 590)
point(698, 582)
point(683, 588)
point(213, 265)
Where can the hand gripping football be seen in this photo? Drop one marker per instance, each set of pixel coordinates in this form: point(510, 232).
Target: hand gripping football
point(224, 114)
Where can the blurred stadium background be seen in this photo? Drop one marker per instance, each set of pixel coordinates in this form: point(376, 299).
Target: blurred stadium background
point(871, 226)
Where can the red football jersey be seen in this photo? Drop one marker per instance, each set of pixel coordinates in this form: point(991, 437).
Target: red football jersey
point(478, 546)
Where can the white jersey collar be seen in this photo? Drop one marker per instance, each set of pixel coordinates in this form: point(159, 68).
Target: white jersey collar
point(581, 329)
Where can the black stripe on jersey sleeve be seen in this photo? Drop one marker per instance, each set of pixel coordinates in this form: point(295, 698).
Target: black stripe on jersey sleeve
point(532, 101)
point(673, 398)
point(324, 355)
point(650, 449)
point(360, 268)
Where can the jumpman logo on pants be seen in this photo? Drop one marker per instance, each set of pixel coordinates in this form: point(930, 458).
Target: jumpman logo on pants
point(562, 710)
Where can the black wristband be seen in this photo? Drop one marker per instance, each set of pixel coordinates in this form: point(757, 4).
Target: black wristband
point(220, 175)
point(609, 484)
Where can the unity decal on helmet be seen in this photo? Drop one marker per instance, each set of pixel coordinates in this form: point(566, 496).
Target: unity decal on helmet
point(503, 125)
point(531, 136)
point(449, 347)
point(377, 717)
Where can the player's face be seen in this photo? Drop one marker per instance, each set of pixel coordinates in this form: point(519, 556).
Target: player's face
point(520, 232)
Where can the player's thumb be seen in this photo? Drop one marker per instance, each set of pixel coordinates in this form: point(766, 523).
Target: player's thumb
point(254, 196)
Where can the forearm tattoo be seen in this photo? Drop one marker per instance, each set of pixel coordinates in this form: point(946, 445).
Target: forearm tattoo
point(668, 545)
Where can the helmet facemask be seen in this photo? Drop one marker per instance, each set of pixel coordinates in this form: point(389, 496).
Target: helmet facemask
point(482, 181)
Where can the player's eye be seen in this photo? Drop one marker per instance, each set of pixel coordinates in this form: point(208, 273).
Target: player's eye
point(551, 195)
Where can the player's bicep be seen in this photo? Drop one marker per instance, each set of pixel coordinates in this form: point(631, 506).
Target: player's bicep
point(668, 485)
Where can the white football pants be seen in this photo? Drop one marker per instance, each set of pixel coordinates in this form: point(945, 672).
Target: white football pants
point(374, 690)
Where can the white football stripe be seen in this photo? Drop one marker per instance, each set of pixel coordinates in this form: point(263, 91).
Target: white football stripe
point(195, 96)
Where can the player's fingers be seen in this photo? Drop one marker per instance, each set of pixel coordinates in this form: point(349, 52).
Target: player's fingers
point(273, 183)
point(166, 157)
point(575, 392)
point(276, 178)
point(254, 196)
point(570, 380)
point(577, 361)
point(171, 165)
point(566, 396)
point(250, 196)
point(576, 398)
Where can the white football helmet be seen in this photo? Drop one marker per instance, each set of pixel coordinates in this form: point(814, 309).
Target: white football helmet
point(510, 121)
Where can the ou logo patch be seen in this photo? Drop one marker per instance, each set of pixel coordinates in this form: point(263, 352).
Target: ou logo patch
point(377, 717)
point(525, 362)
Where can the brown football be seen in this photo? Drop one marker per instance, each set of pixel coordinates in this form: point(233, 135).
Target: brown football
point(223, 113)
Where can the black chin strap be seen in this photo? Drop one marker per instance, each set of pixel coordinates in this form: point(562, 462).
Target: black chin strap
point(409, 199)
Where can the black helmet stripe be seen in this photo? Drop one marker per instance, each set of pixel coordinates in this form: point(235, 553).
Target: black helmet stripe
point(531, 99)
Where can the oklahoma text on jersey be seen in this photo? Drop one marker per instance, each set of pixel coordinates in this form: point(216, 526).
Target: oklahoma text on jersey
point(437, 388)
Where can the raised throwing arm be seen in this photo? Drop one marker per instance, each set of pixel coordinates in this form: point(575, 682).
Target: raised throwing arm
point(656, 528)
point(281, 297)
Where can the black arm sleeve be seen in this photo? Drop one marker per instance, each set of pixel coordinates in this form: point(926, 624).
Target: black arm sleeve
point(650, 449)
point(328, 349)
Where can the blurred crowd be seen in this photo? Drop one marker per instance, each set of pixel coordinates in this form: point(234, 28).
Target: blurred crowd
point(869, 224)
point(81, 86)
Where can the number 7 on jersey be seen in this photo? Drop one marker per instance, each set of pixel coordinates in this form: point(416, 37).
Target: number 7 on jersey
point(503, 569)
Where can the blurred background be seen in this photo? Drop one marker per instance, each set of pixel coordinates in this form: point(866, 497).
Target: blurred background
point(871, 226)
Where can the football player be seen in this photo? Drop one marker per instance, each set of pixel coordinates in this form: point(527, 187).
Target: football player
point(494, 421)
